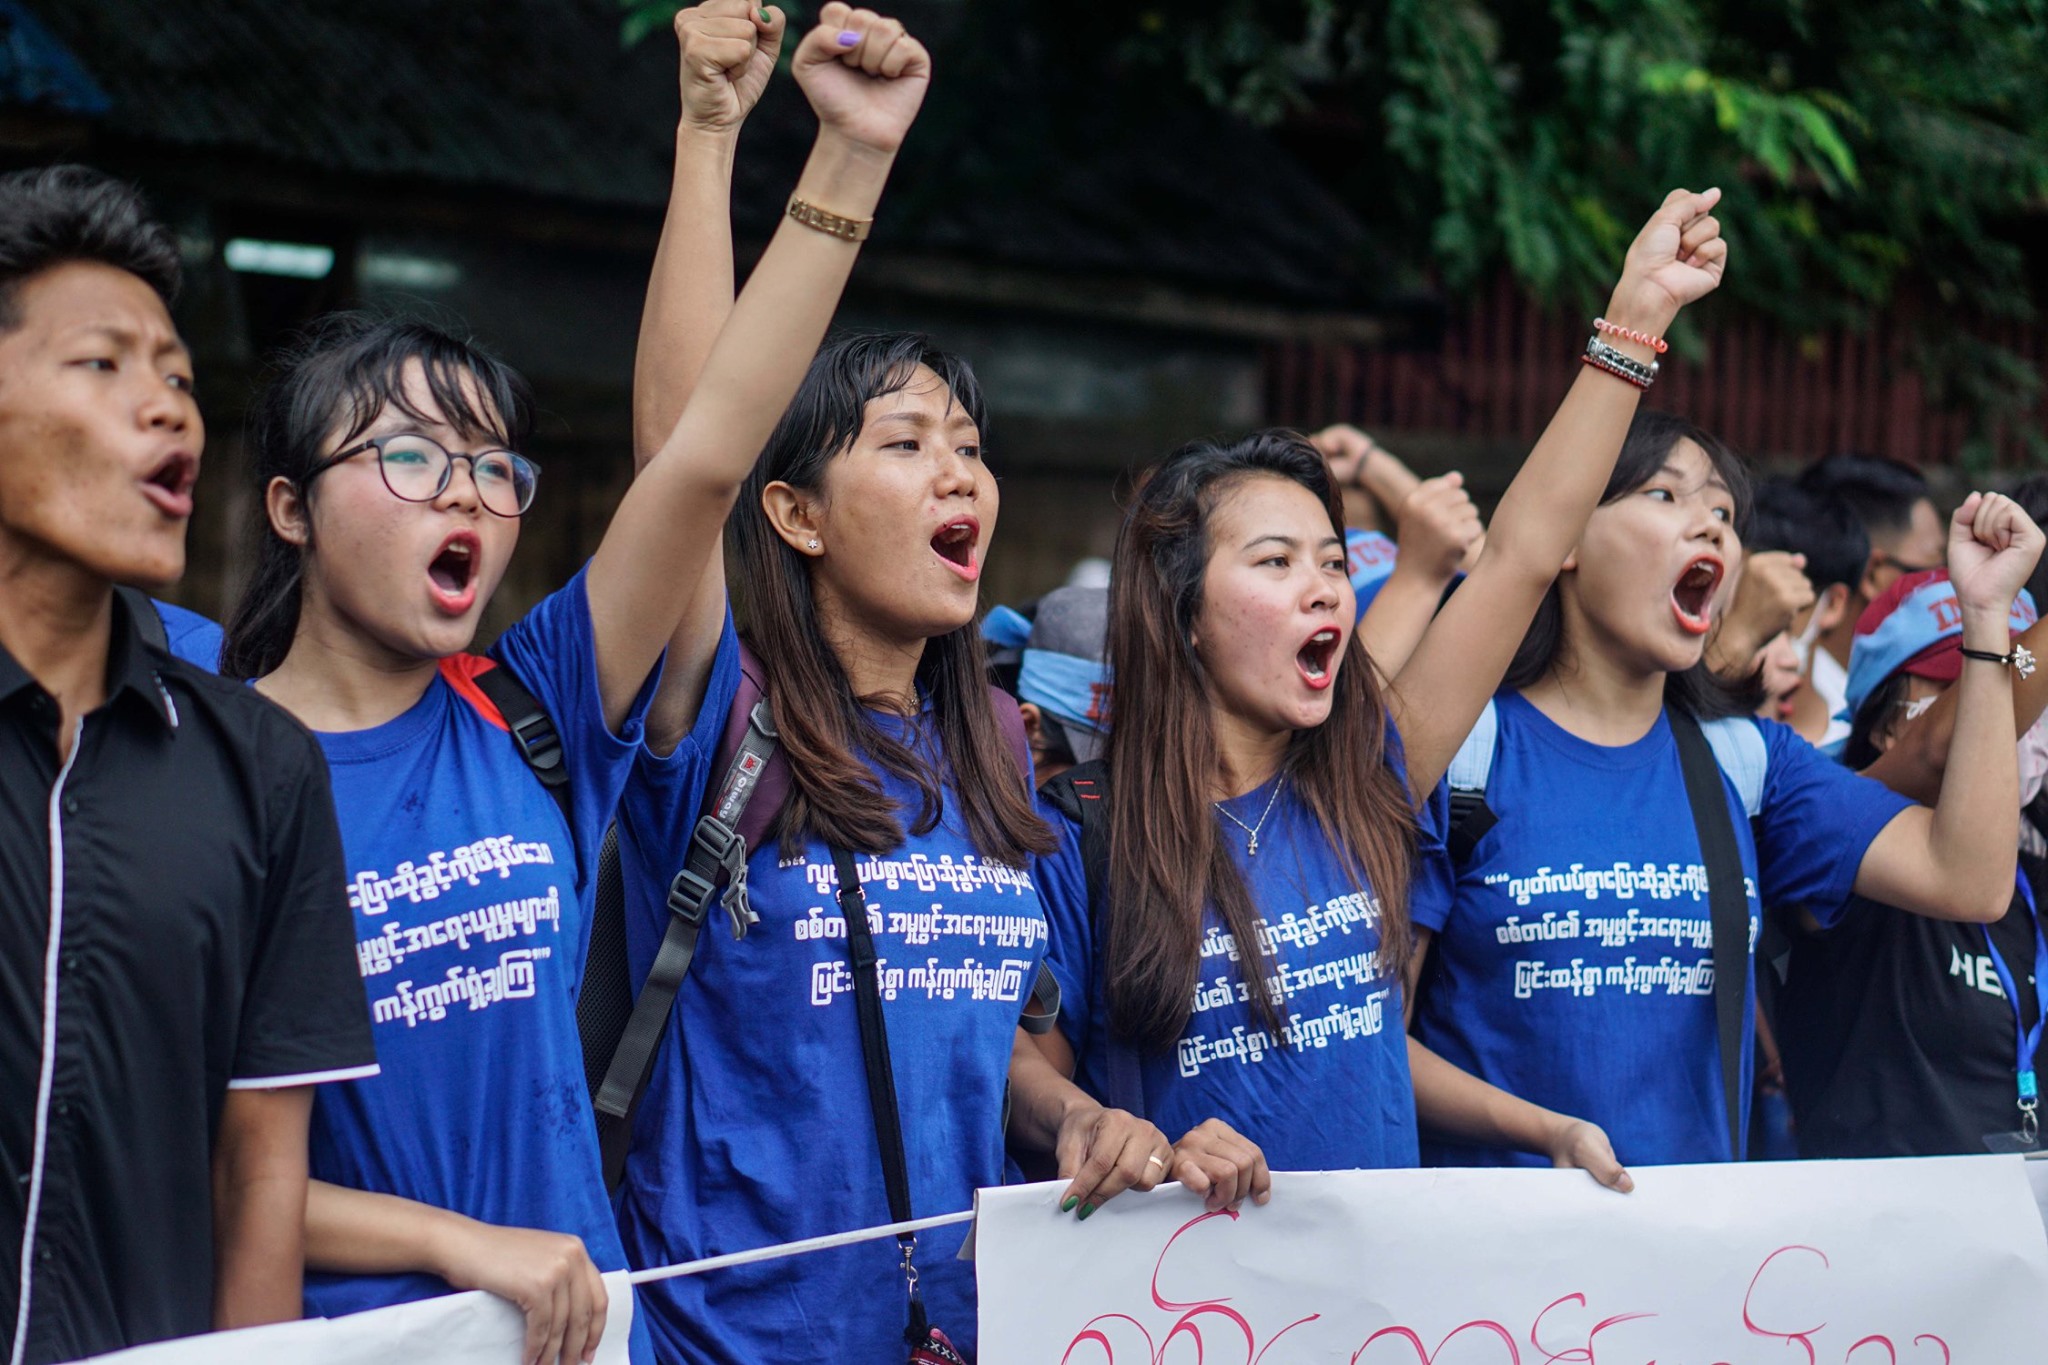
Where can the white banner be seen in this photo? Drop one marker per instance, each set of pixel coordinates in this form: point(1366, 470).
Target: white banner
point(1922, 1262)
point(459, 1329)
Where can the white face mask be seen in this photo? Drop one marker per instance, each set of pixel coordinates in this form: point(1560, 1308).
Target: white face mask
point(2033, 761)
point(1802, 644)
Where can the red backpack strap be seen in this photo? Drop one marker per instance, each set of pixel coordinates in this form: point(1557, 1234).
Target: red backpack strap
point(461, 671)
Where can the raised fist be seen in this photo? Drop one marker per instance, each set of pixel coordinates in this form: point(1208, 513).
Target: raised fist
point(728, 53)
point(1676, 259)
point(1344, 448)
point(1992, 548)
point(863, 75)
point(1439, 526)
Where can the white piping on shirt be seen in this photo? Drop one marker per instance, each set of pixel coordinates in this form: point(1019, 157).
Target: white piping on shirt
point(49, 1065)
point(346, 1073)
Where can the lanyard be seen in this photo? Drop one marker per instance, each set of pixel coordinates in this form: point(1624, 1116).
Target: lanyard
point(2025, 1040)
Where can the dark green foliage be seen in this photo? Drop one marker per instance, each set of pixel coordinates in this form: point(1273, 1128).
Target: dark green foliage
point(1881, 155)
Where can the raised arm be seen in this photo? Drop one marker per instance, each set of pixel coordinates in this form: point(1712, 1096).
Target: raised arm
point(727, 55)
point(1956, 860)
point(1676, 259)
point(866, 79)
point(1918, 760)
point(1439, 529)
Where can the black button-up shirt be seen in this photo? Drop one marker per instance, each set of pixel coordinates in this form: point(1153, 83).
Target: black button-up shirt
point(173, 924)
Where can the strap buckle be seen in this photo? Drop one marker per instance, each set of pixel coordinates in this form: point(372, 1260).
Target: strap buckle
point(541, 747)
point(725, 848)
point(688, 895)
point(907, 1243)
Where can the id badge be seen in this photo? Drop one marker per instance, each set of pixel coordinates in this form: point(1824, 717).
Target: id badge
point(2021, 1142)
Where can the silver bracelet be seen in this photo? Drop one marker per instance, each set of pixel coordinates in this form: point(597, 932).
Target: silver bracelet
point(1643, 373)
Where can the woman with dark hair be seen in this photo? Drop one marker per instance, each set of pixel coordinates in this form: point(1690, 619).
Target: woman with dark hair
point(1231, 917)
point(393, 503)
point(1904, 1035)
point(857, 542)
point(1575, 964)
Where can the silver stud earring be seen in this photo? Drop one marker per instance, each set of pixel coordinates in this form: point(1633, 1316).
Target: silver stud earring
point(812, 544)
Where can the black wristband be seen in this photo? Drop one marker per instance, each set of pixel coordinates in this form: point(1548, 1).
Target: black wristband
point(2021, 659)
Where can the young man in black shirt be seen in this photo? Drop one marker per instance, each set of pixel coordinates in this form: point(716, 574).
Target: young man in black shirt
point(175, 941)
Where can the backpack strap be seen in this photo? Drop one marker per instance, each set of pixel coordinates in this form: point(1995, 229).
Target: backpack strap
point(1728, 905)
point(1471, 768)
point(148, 624)
point(1739, 748)
point(718, 855)
point(522, 715)
point(1082, 795)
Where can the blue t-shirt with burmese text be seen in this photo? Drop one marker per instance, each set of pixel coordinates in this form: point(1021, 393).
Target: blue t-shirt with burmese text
point(471, 896)
point(1575, 965)
point(1334, 1093)
point(756, 1127)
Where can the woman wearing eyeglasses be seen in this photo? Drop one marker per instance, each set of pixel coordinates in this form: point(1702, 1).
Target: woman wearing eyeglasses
point(391, 504)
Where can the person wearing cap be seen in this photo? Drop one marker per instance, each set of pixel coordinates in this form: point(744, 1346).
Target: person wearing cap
point(1902, 1035)
point(1061, 683)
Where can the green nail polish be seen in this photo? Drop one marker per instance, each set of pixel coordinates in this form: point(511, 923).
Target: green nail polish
point(1068, 1205)
point(1086, 1209)
point(766, 18)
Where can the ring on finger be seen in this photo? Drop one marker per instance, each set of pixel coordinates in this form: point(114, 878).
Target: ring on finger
point(1155, 1161)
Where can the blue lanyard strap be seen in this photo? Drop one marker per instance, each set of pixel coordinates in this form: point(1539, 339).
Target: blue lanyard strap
point(2025, 1041)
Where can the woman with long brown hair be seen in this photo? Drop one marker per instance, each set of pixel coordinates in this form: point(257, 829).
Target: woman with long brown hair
point(1231, 900)
point(857, 541)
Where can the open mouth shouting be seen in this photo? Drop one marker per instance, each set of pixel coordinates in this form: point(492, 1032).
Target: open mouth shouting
point(169, 486)
point(955, 546)
point(451, 574)
point(1692, 598)
point(1317, 657)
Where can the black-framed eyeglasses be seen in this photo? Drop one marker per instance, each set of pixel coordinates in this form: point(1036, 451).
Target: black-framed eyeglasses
point(417, 468)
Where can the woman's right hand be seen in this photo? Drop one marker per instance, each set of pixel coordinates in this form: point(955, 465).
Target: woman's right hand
point(547, 1275)
point(728, 53)
point(1575, 1142)
point(864, 75)
point(1222, 1165)
point(1676, 259)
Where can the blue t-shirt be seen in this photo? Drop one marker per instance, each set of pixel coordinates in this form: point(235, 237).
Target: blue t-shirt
point(1369, 559)
point(1575, 967)
point(1335, 1093)
point(190, 636)
point(756, 1127)
point(471, 896)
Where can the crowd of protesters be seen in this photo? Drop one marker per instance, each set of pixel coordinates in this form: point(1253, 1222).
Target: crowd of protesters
point(1666, 817)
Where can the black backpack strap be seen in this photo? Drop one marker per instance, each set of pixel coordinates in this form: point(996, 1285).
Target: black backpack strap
point(717, 855)
point(1728, 903)
point(881, 1077)
point(148, 624)
point(604, 1004)
point(1471, 818)
point(532, 730)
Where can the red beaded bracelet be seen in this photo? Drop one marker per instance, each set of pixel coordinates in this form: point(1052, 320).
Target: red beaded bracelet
point(1657, 344)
